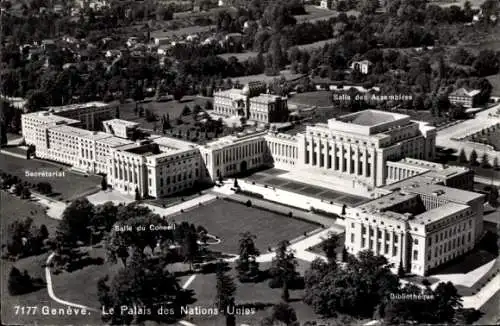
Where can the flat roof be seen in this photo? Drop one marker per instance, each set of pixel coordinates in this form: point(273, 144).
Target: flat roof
point(387, 201)
point(121, 122)
point(370, 117)
point(114, 141)
point(78, 132)
point(172, 143)
point(447, 193)
point(48, 117)
point(439, 212)
point(76, 106)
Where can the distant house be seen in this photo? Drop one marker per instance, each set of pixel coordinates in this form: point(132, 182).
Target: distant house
point(113, 53)
point(327, 4)
point(362, 66)
point(162, 40)
point(192, 38)
point(48, 45)
point(464, 97)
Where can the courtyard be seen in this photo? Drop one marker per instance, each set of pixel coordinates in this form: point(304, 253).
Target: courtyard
point(271, 178)
point(65, 188)
point(227, 220)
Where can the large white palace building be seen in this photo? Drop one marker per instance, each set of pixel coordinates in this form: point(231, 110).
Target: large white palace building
point(417, 213)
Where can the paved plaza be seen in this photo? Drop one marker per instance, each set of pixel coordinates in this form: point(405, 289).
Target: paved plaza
point(287, 181)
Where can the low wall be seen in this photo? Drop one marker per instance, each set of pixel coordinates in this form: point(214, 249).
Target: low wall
point(290, 198)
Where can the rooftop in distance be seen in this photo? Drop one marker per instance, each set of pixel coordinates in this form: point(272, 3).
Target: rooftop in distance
point(370, 117)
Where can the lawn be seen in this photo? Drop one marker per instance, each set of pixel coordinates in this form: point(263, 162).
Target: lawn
point(317, 98)
point(490, 138)
point(15, 209)
point(243, 56)
point(287, 74)
point(228, 219)
point(315, 45)
point(68, 187)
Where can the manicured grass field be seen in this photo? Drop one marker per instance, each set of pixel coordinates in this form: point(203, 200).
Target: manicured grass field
point(318, 98)
point(68, 187)
point(228, 219)
point(15, 209)
point(204, 287)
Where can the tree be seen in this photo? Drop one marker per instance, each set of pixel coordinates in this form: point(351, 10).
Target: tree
point(104, 183)
point(3, 133)
point(462, 158)
point(493, 196)
point(137, 194)
point(473, 158)
point(282, 313)
point(209, 106)
point(19, 283)
point(446, 302)
point(76, 219)
point(283, 268)
point(26, 193)
point(495, 163)
point(329, 247)
point(117, 112)
point(134, 285)
point(236, 183)
point(485, 163)
point(44, 188)
point(355, 289)
point(225, 289)
point(486, 63)
point(186, 110)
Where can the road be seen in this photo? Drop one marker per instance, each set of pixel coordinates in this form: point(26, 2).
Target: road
point(446, 137)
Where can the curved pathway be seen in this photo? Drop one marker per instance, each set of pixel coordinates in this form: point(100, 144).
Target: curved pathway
point(50, 289)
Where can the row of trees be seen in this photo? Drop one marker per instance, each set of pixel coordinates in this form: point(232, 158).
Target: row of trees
point(365, 287)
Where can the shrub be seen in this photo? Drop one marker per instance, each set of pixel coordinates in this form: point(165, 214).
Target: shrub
point(275, 283)
point(248, 203)
point(290, 214)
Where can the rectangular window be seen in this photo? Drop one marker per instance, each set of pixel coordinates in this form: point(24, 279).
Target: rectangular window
point(352, 237)
point(415, 254)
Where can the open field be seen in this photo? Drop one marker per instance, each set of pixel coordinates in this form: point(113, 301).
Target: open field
point(492, 138)
point(315, 13)
point(460, 3)
point(68, 187)
point(243, 56)
point(15, 209)
point(182, 32)
point(318, 98)
point(316, 45)
point(262, 77)
point(228, 219)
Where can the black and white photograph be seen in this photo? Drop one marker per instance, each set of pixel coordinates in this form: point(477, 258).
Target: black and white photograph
point(249, 162)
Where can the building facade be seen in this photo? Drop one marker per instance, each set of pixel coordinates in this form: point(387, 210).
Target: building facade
point(234, 154)
point(418, 225)
point(252, 103)
point(464, 97)
point(360, 144)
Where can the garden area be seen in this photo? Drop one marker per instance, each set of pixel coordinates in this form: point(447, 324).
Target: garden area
point(188, 119)
point(227, 220)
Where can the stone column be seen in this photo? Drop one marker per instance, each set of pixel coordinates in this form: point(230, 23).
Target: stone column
point(341, 159)
point(318, 153)
point(311, 150)
point(349, 158)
